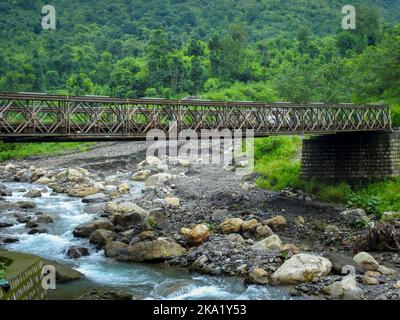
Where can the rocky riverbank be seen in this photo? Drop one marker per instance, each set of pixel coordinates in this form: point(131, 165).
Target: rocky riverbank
point(208, 220)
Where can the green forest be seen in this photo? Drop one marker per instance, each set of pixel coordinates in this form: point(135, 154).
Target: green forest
point(263, 50)
point(259, 50)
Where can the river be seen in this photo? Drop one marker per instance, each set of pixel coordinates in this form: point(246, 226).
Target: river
point(144, 281)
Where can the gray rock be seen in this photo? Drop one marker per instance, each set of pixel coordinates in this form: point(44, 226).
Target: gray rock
point(34, 193)
point(5, 225)
point(95, 198)
point(64, 274)
point(75, 252)
point(101, 237)
point(355, 216)
point(84, 230)
point(219, 215)
point(26, 204)
point(156, 250)
point(114, 248)
point(37, 230)
point(339, 261)
point(346, 289)
point(95, 208)
point(44, 219)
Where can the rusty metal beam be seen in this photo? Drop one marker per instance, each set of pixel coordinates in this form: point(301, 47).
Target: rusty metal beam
point(42, 117)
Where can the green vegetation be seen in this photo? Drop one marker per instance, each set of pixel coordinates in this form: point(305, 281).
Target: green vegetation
point(396, 116)
point(18, 150)
point(3, 270)
point(278, 163)
point(224, 50)
point(261, 50)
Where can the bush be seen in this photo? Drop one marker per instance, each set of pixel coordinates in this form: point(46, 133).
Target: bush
point(277, 162)
point(396, 116)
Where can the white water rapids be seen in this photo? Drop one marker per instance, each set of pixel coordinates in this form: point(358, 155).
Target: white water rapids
point(142, 280)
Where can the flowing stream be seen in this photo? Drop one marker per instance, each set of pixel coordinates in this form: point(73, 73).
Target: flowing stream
point(144, 281)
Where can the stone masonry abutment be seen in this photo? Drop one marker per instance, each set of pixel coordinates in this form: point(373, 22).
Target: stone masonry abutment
point(353, 157)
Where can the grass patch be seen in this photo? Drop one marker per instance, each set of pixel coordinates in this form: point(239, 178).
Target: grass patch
point(278, 163)
point(23, 150)
point(396, 116)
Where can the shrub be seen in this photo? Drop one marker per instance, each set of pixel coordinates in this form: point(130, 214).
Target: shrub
point(396, 116)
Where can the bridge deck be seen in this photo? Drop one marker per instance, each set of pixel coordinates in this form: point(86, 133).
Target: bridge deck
point(28, 117)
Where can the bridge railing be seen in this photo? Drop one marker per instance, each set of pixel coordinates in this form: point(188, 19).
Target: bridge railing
point(31, 115)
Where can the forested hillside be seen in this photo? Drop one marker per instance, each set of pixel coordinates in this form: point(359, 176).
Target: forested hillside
point(228, 49)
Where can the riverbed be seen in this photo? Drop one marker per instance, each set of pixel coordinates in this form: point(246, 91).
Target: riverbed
point(143, 281)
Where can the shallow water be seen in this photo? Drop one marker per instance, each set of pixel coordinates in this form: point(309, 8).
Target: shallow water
point(142, 280)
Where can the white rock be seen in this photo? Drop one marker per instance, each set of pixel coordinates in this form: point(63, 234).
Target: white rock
point(123, 188)
point(302, 267)
point(346, 289)
point(366, 261)
point(149, 161)
point(9, 167)
point(387, 271)
point(173, 202)
point(355, 216)
point(141, 175)
point(157, 179)
point(270, 243)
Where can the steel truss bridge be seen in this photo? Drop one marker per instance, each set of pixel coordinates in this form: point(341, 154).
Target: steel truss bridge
point(42, 117)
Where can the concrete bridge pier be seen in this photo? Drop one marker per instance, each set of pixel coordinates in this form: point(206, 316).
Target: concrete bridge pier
point(357, 157)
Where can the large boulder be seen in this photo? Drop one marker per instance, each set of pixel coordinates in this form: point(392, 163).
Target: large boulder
point(75, 252)
point(64, 273)
point(126, 214)
point(276, 223)
point(157, 179)
point(155, 250)
point(258, 276)
point(95, 208)
point(387, 271)
point(355, 216)
point(302, 267)
point(44, 219)
point(123, 207)
point(73, 175)
point(114, 248)
point(34, 193)
point(271, 243)
point(95, 198)
point(231, 225)
point(123, 188)
point(25, 204)
point(262, 232)
point(150, 161)
point(101, 237)
point(250, 225)
point(82, 191)
point(346, 289)
point(44, 180)
point(37, 174)
point(197, 234)
point(84, 230)
point(339, 261)
point(366, 261)
point(141, 175)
